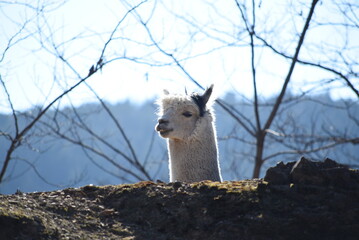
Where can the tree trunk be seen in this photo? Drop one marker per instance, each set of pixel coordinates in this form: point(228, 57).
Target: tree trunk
point(259, 155)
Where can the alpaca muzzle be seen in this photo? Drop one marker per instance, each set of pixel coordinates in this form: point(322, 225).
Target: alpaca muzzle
point(161, 127)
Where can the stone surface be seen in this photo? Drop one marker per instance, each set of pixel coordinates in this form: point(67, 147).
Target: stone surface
point(307, 172)
point(280, 174)
point(303, 200)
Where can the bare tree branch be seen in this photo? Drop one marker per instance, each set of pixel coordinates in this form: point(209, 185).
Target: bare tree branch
point(291, 68)
point(251, 32)
point(332, 70)
point(12, 108)
point(20, 134)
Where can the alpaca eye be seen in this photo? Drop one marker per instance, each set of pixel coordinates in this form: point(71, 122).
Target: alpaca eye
point(187, 114)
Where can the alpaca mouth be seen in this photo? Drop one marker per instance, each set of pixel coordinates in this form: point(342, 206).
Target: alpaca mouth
point(164, 132)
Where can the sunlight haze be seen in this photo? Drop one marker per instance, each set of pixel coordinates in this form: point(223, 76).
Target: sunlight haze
point(203, 35)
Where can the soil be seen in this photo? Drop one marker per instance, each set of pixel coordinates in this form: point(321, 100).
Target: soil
point(297, 200)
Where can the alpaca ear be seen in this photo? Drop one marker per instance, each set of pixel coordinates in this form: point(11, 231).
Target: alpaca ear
point(166, 92)
point(206, 95)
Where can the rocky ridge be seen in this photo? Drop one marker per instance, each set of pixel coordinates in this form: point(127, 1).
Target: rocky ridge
point(296, 200)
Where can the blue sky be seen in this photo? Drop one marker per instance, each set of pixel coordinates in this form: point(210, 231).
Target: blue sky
point(207, 37)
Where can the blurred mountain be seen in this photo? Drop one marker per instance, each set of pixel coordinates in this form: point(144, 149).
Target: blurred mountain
point(47, 162)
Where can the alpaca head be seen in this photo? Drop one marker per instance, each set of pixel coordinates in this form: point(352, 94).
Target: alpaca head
point(183, 116)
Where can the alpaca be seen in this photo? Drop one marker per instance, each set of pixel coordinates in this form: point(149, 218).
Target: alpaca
point(187, 124)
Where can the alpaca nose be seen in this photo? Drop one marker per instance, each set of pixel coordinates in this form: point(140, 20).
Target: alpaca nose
point(162, 121)
point(161, 124)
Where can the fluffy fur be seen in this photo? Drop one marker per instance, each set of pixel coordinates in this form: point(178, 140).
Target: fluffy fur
point(187, 123)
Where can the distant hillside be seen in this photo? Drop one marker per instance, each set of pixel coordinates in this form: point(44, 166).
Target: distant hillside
point(63, 164)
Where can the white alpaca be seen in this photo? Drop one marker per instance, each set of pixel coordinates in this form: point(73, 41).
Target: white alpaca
point(187, 123)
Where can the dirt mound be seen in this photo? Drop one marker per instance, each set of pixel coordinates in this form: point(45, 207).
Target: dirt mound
point(302, 200)
point(304, 171)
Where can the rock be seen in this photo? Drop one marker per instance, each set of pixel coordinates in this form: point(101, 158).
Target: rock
point(280, 174)
point(298, 200)
point(307, 172)
point(327, 173)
